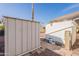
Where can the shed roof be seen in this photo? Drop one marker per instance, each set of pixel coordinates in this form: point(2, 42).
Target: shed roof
point(19, 19)
point(66, 17)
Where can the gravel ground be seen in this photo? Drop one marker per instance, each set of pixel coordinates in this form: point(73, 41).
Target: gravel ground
point(75, 50)
point(46, 52)
point(48, 49)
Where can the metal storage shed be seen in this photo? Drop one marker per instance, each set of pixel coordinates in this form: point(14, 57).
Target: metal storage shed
point(21, 36)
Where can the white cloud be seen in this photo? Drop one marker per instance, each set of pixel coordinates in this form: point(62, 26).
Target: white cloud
point(71, 7)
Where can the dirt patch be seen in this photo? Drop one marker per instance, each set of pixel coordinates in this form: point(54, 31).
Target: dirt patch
point(46, 52)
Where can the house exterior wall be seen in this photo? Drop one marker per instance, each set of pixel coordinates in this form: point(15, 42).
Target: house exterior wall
point(74, 34)
point(57, 30)
point(59, 36)
point(57, 26)
point(21, 36)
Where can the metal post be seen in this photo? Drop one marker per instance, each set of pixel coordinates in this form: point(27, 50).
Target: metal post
point(32, 11)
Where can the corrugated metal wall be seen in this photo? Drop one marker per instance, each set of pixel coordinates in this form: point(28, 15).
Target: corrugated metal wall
point(20, 36)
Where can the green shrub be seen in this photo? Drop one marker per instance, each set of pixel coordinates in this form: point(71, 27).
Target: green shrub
point(1, 27)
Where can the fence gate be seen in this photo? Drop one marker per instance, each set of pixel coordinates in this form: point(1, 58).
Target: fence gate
point(21, 36)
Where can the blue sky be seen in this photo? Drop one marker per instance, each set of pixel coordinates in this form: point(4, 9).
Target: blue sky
point(43, 12)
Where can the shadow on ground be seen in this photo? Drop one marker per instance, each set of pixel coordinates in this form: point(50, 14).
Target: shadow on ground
point(46, 52)
point(76, 45)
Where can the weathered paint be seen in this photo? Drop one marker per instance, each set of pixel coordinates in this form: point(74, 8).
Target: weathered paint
point(56, 31)
point(52, 27)
point(63, 31)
